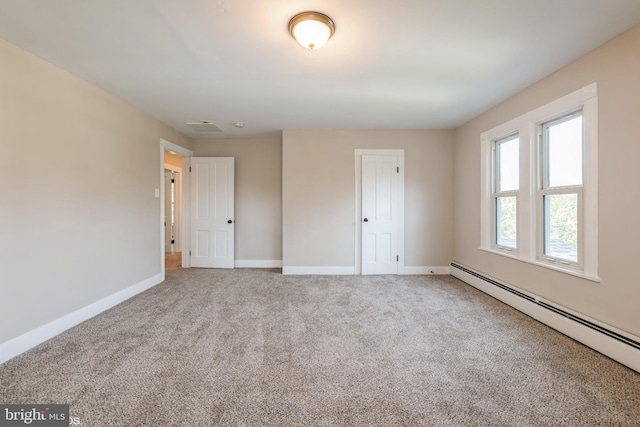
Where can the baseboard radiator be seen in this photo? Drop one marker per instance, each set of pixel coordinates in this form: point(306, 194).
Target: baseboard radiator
point(615, 344)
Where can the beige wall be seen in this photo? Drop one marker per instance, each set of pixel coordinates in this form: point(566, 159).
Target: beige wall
point(258, 193)
point(616, 68)
point(319, 195)
point(79, 216)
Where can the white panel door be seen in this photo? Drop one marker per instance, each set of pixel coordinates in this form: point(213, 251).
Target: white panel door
point(379, 214)
point(212, 222)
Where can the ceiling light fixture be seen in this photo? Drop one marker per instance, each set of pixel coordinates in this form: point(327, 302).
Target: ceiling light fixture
point(311, 29)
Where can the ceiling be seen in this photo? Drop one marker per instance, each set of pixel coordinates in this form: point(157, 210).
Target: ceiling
point(392, 64)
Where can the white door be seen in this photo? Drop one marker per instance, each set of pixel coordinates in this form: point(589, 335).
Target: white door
point(212, 222)
point(380, 214)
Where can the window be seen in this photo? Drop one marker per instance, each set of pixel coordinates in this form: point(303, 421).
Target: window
point(539, 185)
point(506, 182)
point(561, 188)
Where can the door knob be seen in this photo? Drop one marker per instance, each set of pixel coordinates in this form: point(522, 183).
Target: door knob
point(366, 220)
point(229, 222)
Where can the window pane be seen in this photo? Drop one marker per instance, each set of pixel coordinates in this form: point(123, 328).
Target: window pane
point(564, 148)
point(506, 225)
point(561, 226)
point(508, 163)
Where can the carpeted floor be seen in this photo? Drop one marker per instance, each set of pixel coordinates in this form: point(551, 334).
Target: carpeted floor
point(253, 347)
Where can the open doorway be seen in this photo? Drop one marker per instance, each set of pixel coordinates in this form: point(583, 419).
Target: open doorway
point(172, 211)
point(174, 162)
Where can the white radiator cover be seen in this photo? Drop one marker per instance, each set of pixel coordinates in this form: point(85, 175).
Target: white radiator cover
point(623, 349)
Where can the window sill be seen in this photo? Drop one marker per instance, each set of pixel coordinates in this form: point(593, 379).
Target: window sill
point(571, 272)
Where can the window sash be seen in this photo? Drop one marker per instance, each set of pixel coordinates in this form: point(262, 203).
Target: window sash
point(544, 156)
point(498, 194)
point(496, 244)
point(542, 232)
point(496, 163)
point(543, 223)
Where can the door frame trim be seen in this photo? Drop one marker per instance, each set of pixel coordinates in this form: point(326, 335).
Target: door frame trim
point(358, 205)
point(185, 154)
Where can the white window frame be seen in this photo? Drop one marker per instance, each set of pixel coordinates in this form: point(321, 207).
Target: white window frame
point(544, 189)
point(530, 211)
point(496, 194)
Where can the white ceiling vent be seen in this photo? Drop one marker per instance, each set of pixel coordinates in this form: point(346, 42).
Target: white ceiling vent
point(204, 126)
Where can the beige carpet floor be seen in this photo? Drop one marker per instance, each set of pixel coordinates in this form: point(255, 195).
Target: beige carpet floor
point(253, 347)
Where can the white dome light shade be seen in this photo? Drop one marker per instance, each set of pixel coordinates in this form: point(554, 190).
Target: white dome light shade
point(311, 29)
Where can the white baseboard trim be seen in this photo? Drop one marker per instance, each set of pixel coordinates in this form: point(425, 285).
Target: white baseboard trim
point(440, 270)
point(28, 340)
point(344, 271)
point(617, 350)
point(332, 271)
point(258, 263)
